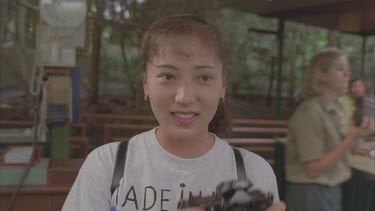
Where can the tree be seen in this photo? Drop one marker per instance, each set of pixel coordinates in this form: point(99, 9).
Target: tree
point(16, 50)
point(128, 19)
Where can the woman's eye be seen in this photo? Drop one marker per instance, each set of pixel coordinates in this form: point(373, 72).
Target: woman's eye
point(205, 77)
point(167, 77)
point(342, 68)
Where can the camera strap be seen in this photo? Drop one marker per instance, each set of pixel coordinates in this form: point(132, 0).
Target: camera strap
point(240, 166)
point(119, 165)
point(118, 172)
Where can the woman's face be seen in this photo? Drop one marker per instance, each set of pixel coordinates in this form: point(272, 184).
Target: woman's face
point(184, 91)
point(336, 78)
point(357, 89)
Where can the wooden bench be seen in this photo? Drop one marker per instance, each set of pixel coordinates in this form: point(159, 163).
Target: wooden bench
point(118, 118)
point(123, 127)
point(258, 128)
point(264, 147)
point(258, 132)
point(259, 122)
point(63, 172)
point(79, 141)
point(242, 128)
point(129, 129)
point(151, 119)
point(96, 124)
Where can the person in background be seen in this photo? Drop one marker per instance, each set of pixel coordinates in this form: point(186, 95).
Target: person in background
point(318, 138)
point(185, 83)
point(348, 101)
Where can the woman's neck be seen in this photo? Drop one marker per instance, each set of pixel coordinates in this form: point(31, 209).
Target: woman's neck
point(331, 96)
point(191, 147)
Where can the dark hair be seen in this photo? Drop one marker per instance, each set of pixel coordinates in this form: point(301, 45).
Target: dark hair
point(354, 78)
point(185, 26)
point(221, 124)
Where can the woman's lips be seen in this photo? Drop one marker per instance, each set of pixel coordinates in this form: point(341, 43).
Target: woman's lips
point(185, 117)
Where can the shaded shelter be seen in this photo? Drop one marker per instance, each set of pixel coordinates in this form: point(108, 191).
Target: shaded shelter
point(348, 16)
point(351, 16)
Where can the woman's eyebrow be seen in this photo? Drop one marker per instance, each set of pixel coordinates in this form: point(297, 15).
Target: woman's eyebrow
point(204, 67)
point(340, 64)
point(198, 67)
point(167, 66)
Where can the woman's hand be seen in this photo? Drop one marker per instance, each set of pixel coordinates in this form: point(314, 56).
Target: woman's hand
point(366, 128)
point(280, 206)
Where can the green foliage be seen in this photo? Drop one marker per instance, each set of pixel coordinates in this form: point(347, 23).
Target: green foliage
point(249, 68)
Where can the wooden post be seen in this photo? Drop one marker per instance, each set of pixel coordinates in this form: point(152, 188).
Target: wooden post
point(280, 39)
point(95, 57)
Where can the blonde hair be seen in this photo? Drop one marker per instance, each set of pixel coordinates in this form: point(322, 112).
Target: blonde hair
point(319, 63)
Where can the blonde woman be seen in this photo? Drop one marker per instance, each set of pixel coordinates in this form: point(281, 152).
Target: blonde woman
point(318, 139)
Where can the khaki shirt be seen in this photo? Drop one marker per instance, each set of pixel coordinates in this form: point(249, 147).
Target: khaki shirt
point(315, 128)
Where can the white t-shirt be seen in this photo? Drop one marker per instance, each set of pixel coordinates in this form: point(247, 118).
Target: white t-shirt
point(154, 179)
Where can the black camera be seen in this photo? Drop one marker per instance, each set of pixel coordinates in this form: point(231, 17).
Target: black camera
point(238, 195)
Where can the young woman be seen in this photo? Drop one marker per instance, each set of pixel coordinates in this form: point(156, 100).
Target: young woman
point(318, 141)
point(185, 83)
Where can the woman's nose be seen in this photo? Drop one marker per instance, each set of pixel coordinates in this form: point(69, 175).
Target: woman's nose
point(185, 94)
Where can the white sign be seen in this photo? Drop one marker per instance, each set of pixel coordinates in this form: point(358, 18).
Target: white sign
point(61, 31)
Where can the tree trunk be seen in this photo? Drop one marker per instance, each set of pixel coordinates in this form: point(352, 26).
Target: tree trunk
point(3, 19)
point(20, 48)
point(21, 15)
point(13, 69)
point(123, 53)
point(95, 62)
